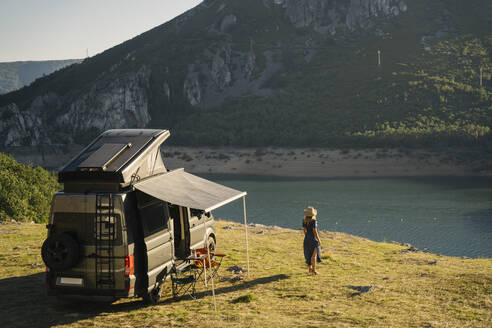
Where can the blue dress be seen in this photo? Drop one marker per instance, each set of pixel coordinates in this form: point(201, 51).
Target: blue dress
point(310, 241)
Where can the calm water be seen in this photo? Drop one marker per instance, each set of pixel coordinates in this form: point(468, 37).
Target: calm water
point(450, 215)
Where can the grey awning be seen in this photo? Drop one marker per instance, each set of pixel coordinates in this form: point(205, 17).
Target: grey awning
point(185, 189)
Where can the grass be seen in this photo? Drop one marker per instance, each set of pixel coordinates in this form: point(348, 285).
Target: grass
point(409, 289)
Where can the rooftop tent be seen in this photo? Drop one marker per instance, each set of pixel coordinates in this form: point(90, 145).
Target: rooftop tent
point(185, 189)
point(122, 156)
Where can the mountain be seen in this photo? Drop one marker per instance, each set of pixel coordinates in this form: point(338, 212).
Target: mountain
point(15, 75)
point(332, 73)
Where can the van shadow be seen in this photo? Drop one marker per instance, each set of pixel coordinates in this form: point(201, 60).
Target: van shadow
point(24, 302)
point(236, 287)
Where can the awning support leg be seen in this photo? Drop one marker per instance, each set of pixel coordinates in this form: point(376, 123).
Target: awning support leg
point(246, 233)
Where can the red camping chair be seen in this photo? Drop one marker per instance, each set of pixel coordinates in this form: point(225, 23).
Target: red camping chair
point(212, 266)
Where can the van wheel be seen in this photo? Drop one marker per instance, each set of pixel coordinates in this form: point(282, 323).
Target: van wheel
point(153, 296)
point(211, 244)
point(60, 251)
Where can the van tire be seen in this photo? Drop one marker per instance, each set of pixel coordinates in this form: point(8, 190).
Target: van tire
point(153, 296)
point(60, 251)
point(211, 244)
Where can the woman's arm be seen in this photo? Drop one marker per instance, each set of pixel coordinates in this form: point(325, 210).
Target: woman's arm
point(316, 236)
point(305, 230)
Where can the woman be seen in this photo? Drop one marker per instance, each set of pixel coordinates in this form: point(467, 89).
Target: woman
point(312, 243)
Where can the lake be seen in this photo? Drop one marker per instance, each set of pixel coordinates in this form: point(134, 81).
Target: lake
point(444, 215)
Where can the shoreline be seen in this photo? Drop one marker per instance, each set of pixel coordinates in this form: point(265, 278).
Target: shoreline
point(322, 163)
point(260, 228)
point(293, 162)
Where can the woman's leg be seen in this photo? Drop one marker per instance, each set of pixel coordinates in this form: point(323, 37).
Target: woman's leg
point(313, 261)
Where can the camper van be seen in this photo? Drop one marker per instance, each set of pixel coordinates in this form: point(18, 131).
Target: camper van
point(123, 222)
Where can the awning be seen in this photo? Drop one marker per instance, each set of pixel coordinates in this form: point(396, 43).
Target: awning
point(185, 189)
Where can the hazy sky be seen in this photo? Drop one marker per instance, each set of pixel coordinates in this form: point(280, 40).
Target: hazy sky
point(64, 29)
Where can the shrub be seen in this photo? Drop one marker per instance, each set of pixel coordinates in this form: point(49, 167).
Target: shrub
point(25, 191)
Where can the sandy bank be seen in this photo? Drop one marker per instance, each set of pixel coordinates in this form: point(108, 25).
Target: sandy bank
point(325, 163)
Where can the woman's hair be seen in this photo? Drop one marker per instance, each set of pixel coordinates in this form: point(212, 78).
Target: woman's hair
point(307, 219)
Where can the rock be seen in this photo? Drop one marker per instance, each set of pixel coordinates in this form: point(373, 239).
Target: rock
point(13, 221)
point(192, 90)
point(16, 248)
point(410, 249)
point(118, 103)
point(432, 262)
point(235, 268)
point(256, 225)
point(19, 128)
point(227, 22)
point(249, 65)
point(361, 289)
point(220, 72)
point(228, 227)
point(167, 91)
point(235, 279)
point(72, 315)
point(261, 232)
point(231, 279)
point(328, 16)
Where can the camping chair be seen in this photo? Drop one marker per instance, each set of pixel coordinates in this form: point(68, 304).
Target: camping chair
point(212, 266)
point(183, 282)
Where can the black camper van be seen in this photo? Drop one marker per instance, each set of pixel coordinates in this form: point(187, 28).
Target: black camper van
point(123, 222)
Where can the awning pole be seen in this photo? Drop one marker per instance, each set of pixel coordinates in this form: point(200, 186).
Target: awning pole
point(246, 232)
point(211, 276)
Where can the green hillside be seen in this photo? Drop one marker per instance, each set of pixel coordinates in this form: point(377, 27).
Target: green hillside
point(305, 87)
point(25, 191)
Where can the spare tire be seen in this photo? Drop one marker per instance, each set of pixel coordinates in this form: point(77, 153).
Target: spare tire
point(60, 251)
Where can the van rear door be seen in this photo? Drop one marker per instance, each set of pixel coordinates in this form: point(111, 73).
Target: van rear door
point(75, 215)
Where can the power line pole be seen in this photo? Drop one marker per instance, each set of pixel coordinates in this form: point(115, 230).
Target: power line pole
point(87, 53)
point(379, 58)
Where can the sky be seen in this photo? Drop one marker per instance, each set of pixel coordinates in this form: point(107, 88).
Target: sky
point(66, 29)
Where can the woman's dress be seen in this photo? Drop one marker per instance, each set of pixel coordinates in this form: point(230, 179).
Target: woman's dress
point(310, 241)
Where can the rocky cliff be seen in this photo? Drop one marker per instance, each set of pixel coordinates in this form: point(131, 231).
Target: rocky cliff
point(218, 52)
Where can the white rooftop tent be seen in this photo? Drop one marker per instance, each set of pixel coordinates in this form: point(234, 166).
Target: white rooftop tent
point(185, 189)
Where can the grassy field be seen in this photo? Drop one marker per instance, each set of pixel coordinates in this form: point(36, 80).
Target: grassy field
point(361, 283)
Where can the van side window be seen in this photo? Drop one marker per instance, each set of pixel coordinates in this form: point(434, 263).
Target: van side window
point(153, 218)
point(195, 212)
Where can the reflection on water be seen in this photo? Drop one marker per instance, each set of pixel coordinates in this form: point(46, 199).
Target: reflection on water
point(446, 215)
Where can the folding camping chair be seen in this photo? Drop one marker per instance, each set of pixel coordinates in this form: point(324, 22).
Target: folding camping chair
point(183, 282)
point(211, 266)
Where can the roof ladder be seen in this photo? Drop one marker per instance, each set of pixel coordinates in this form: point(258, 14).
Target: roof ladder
point(105, 235)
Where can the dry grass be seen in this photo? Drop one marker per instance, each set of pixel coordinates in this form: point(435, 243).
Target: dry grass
point(410, 290)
